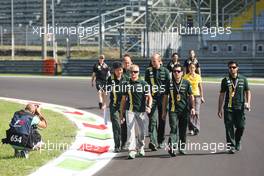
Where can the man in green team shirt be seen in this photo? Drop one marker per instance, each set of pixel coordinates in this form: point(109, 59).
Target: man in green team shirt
point(114, 86)
point(236, 93)
point(136, 100)
point(180, 93)
point(127, 62)
point(157, 77)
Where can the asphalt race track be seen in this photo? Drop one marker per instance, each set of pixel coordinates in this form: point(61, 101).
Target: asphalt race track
point(78, 93)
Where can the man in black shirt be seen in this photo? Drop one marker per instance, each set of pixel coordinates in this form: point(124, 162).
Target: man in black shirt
point(192, 60)
point(174, 61)
point(100, 74)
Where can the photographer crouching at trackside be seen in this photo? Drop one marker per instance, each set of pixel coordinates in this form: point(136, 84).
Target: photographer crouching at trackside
point(22, 134)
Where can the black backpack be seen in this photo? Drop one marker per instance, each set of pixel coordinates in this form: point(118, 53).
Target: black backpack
point(20, 131)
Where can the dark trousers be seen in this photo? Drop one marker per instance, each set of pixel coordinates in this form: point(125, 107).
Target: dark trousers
point(178, 126)
point(119, 130)
point(123, 134)
point(156, 123)
point(162, 123)
point(234, 126)
point(114, 116)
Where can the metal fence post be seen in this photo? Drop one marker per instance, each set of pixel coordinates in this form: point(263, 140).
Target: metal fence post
point(254, 29)
point(120, 42)
point(44, 25)
point(100, 28)
point(1, 34)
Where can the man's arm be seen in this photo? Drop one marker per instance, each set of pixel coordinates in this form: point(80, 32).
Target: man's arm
point(164, 106)
point(93, 78)
point(248, 100)
point(201, 91)
point(43, 123)
point(220, 104)
point(122, 108)
point(149, 103)
point(192, 105)
point(147, 79)
point(247, 95)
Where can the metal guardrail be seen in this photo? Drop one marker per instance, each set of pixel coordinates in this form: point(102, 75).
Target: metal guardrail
point(209, 66)
point(21, 67)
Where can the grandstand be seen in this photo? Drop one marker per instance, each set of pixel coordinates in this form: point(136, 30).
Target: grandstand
point(125, 24)
point(243, 18)
point(68, 12)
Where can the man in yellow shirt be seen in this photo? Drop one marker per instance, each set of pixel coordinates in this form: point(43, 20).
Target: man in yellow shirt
point(197, 88)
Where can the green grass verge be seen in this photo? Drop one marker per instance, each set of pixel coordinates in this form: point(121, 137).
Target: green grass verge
point(60, 130)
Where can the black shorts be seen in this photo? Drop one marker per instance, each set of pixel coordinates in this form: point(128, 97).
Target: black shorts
point(100, 85)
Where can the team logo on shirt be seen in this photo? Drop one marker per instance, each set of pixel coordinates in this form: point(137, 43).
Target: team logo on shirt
point(19, 123)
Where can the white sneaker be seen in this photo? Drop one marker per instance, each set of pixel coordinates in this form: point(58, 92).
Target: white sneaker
point(24, 154)
point(191, 132)
point(141, 152)
point(132, 155)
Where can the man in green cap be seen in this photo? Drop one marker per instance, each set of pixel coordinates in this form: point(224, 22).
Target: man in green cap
point(236, 93)
point(114, 86)
point(181, 97)
point(157, 77)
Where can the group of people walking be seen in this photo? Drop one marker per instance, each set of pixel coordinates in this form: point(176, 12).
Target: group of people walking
point(175, 90)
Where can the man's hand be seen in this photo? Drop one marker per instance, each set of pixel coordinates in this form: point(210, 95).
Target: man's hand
point(164, 114)
point(220, 114)
point(247, 106)
point(202, 100)
point(37, 112)
point(193, 112)
point(122, 120)
point(148, 109)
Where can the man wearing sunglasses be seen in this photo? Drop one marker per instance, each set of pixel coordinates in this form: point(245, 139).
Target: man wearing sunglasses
point(236, 97)
point(136, 100)
point(180, 96)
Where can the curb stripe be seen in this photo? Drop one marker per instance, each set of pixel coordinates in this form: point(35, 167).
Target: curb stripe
point(74, 164)
point(100, 127)
point(94, 148)
point(98, 136)
point(74, 161)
